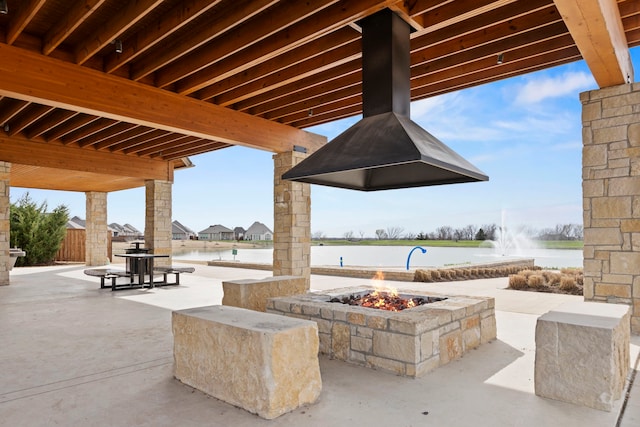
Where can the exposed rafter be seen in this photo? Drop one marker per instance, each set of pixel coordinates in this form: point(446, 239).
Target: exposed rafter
point(596, 28)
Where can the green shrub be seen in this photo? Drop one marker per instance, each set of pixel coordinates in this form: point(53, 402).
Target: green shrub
point(36, 231)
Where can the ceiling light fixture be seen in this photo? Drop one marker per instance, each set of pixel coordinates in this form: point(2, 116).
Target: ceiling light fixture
point(4, 7)
point(118, 44)
point(500, 58)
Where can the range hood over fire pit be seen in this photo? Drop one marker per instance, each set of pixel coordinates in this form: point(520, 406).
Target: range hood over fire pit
point(385, 150)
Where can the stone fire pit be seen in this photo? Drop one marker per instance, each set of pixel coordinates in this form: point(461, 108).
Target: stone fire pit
point(410, 342)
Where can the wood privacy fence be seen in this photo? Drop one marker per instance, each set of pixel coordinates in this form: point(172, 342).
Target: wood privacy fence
point(74, 245)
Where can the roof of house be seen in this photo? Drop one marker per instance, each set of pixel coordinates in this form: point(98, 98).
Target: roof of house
point(177, 227)
point(258, 228)
point(216, 229)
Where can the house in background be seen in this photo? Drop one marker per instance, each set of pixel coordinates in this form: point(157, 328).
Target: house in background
point(258, 231)
point(216, 232)
point(76, 223)
point(182, 232)
point(239, 233)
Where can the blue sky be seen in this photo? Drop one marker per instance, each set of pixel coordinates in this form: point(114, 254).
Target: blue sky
point(524, 132)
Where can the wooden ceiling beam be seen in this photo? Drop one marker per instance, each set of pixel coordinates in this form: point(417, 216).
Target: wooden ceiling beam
point(185, 44)
point(133, 12)
point(48, 122)
point(106, 133)
point(64, 27)
point(29, 116)
point(58, 84)
point(351, 69)
point(193, 149)
point(10, 109)
point(424, 48)
point(450, 13)
point(325, 21)
point(69, 126)
point(272, 22)
point(182, 14)
point(157, 148)
point(255, 75)
point(170, 138)
point(25, 13)
point(22, 151)
point(123, 138)
point(148, 137)
point(313, 66)
point(597, 29)
point(88, 130)
point(446, 57)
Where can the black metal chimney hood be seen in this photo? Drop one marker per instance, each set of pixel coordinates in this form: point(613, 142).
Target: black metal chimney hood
point(385, 150)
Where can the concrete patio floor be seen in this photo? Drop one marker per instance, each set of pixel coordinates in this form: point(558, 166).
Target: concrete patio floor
point(75, 355)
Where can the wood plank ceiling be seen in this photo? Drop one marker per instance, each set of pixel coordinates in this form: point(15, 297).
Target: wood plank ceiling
point(136, 86)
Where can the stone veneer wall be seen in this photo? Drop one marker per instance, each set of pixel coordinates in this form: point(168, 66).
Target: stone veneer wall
point(157, 230)
point(5, 225)
point(408, 343)
point(611, 196)
point(96, 250)
point(292, 220)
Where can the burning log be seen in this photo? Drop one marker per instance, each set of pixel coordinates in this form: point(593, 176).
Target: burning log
point(382, 300)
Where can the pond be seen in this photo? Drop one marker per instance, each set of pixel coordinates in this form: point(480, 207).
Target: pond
point(392, 256)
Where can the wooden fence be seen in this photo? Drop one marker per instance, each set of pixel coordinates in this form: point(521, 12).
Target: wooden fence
point(73, 246)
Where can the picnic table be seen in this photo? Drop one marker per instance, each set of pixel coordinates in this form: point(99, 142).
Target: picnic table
point(141, 264)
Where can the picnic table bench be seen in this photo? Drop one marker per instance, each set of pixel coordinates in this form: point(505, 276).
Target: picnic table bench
point(107, 273)
point(166, 270)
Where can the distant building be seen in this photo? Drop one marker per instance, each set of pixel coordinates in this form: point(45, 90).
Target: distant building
point(130, 230)
point(216, 232)
point(239, 233)
point(258, 231)
point(76, 223)
point(182, 232)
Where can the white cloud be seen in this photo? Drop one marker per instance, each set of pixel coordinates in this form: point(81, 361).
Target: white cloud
point(537, 88)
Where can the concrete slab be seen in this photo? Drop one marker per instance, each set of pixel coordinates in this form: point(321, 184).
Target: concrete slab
point(76, 355)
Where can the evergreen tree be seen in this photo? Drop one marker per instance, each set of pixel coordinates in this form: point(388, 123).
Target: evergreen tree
point(37, 232)
point(481, 235)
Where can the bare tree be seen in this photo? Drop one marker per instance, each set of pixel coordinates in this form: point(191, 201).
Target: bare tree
point(361, 233)
point(444, 233)
point(318, 235)
point(410, 236)
point(348, 235)
point(381, 234)
point(394, 233)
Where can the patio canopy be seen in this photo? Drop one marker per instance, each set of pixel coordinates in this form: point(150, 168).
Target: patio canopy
point(118, 91)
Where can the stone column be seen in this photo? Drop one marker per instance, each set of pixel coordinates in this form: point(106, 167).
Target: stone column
point(292, 221)
point(96, 242)
point(157, 230)
point(5, 223)
point(611, 196)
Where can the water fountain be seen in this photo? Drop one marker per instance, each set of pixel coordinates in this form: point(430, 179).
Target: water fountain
point(509, 242)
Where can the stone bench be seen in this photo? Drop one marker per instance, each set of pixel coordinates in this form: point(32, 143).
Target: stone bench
point(254, 293)
point(582, 353)
point(264, 363)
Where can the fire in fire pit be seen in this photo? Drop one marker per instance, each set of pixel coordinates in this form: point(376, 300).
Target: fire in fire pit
point(385, 300)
